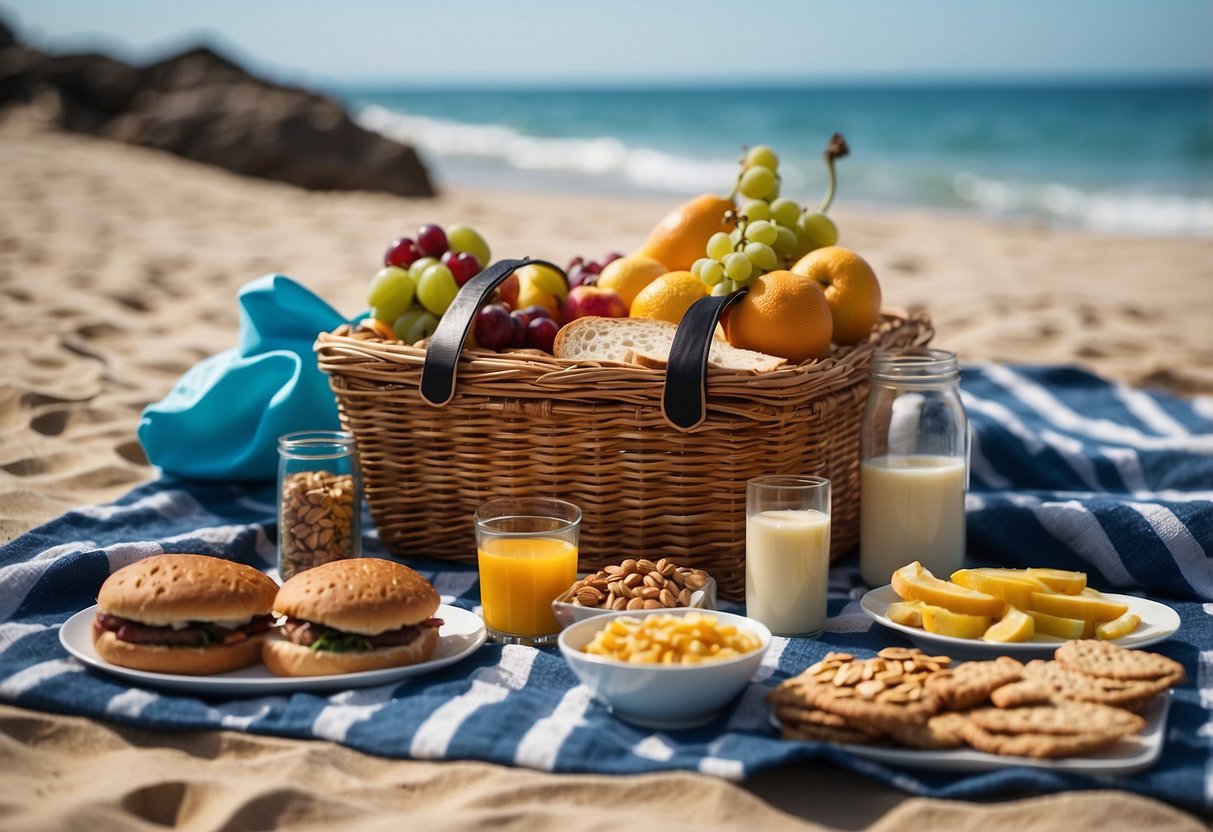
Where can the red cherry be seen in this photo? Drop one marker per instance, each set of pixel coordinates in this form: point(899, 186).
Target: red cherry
point(541, 333)
point(431, 241)
point(403, 252)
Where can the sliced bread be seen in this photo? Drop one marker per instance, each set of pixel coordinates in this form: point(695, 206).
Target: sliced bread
point(647, 343)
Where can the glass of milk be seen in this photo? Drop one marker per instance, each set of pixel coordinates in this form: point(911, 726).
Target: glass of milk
point(787, 553)
point(913, 469)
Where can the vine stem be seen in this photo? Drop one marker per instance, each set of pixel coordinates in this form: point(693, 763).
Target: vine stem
point(836, 149)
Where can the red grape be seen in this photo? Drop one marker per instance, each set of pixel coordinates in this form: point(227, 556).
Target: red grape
point(610, 258)
point(536, 311)
point(541, 333)
point(462, 265)
point(402, 252)
point(592, 267)
point(519, 320)
point(494, 329)
point(431, 240)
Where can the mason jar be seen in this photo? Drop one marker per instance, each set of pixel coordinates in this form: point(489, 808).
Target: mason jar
point(319, 500)
point(913, 466)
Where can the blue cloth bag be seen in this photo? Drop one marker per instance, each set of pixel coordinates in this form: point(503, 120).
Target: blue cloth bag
point(223, 419)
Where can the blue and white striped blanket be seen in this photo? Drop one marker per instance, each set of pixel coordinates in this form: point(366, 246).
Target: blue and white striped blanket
point(1068, 470)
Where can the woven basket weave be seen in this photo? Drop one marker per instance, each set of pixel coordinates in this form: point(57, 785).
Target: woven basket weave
point(525, 423)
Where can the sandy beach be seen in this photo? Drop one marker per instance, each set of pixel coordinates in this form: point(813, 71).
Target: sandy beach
point(118, 271)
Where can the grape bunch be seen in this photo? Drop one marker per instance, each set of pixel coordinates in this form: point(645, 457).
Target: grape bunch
point(771, 232)
point(421, 276)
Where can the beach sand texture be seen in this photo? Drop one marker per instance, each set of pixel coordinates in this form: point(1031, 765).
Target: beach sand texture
point(118, 271)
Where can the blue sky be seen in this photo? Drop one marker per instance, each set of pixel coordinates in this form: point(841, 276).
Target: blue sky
point(549, 41)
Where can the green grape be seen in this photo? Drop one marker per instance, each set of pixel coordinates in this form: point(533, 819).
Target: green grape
point(391, 293)
point(419, 267)
point(724, 287)
point(785, 212)
point(462, 237)
point(762, 232)
point(756, 209)
point(819, 228)
point(712, 273)
point(762, 256)
point(757, 182)
point(738, 266)
point(697, 266)
point(415, 324)
point(786, 245)
point(437, 288)
point(719, 245)
point(762, 155)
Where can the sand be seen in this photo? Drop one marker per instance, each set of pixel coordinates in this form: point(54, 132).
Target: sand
point(118, 271)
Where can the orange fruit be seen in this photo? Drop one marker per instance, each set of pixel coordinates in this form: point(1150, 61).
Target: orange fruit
point(783, 314)
point(628, 275)
point(679, 238)
point(851, 290)
point(668, 297)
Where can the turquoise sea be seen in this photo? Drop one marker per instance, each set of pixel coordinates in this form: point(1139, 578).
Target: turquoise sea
point(1123, 158)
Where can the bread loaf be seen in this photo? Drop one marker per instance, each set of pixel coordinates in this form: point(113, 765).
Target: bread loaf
point(646, 342)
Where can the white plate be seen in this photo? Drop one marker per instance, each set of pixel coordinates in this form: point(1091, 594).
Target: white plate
point(460, 635)
point(1125, 756)
point(1158, 623)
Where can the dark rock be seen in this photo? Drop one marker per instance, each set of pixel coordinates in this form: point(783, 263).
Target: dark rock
point(7, 38)
point(204, 107)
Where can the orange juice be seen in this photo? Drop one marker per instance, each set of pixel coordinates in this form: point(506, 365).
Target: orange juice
point(519, 579)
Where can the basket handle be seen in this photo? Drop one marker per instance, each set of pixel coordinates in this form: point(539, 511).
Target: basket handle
point(684, 397)
point(442, 354)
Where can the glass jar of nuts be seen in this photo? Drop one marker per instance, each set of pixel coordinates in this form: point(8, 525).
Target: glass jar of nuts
point(319, 500)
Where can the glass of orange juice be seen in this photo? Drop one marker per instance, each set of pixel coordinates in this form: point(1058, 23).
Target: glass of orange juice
point(527, 551)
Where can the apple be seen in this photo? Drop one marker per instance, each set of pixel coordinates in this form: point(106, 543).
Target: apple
point(507, 291)
point(851, 289)
point(587, 301)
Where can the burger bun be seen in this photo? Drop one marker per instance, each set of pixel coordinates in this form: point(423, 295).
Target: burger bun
point(285, 658)
point(187, 661)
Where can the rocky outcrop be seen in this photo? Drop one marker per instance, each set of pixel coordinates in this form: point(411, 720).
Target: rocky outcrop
point(204, 107)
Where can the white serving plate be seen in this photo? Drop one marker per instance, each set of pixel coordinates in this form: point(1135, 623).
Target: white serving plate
point(1127, 755)
point(1158, 623)
point(460, 635)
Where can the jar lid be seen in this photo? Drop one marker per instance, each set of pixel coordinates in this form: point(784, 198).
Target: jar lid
point(915, 364)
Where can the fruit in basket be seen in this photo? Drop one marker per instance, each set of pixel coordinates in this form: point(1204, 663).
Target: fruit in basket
point(783, 314)
point(593, 301)
point(415, 325)
point(581, 271)
point(541, 333)
point(851, 290)
point(494, 328)
point(544, 278)
point(462, 265)
point(679, 237)
point(466, 239)
point(431, 241)
point(437, 288)
point(531, 295)
point(391, 293)
point(816, 229)
point(628, 275)
point(668, 297)
point(403, 252)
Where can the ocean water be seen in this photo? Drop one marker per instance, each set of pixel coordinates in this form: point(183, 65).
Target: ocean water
point(1132, 159)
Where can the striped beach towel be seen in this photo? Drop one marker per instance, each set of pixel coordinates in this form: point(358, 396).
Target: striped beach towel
point(1068, 470)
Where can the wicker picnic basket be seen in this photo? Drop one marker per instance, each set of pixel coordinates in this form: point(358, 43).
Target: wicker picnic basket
point(596, 434)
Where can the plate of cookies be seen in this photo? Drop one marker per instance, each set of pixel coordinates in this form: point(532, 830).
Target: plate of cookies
point(1093, 707)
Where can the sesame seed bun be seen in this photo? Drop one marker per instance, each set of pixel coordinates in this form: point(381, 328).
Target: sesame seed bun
point(170, 589)
point(367, 596)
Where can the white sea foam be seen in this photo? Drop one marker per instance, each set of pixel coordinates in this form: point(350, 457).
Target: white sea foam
point(605, 157)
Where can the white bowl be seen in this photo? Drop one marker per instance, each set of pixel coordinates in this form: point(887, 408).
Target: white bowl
point(567, 612)
point(662, 696)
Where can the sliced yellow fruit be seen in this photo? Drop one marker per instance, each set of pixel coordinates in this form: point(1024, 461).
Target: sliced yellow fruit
point(944, 622)
point(906, 613)
point(1108, 609)
point(1015, 590)
point(1118, 627)
point(1053, 625)
point(913, 583)
point(1060, 580)
point(1015, 625)
point(1066, 606)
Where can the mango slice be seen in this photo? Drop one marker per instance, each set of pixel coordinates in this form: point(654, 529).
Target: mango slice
point(906, 613)
point(1016, 590)
point(1118, 627)
point(913, 583)
point(1060, 580)
point(1015, 625)
point(1108, 609)
point(944, 622)
point(1066, 606)
point(1052, 625)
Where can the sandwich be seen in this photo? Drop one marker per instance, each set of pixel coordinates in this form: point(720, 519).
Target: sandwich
point(350, 615)
point(187, 614)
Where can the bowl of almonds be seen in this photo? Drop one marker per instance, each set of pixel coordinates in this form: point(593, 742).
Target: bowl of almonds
point(635, 585)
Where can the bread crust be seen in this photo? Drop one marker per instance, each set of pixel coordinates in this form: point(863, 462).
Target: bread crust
point(187, 661)
point(367, 596)
point(285, 658)
point(163, 589)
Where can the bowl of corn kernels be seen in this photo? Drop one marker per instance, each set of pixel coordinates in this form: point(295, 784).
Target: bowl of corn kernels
point(667, 668)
